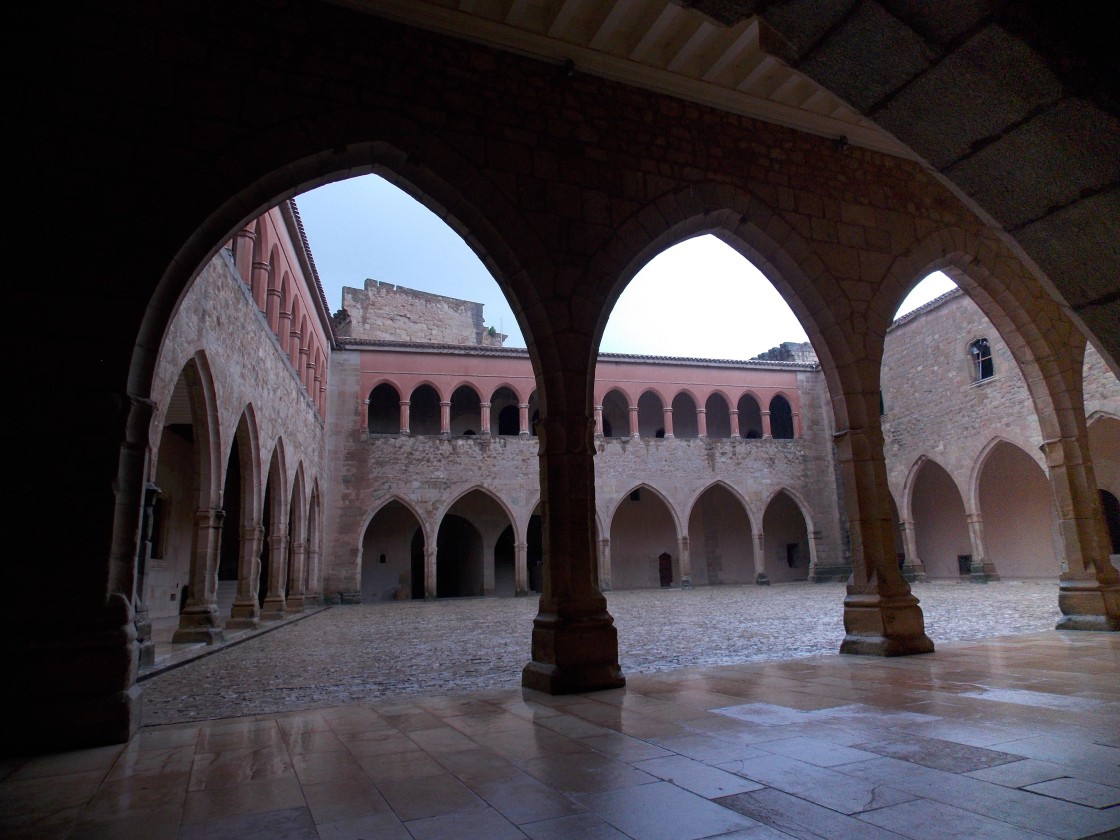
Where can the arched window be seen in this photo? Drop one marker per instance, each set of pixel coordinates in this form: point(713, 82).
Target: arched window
point(384, 410)
point(981, 354)
point(781, 418)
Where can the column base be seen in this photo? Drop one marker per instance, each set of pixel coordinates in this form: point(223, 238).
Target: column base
point(571, 656)
point(837, 573)
point(983, 573)
point(199, 624)
point(1089, 605)
point(914, 573)
point(244, 616)
point(761, 579)
point(273, 609)
point(883, 625)
point(294, 604)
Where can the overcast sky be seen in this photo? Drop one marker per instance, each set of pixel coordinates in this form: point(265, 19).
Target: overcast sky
point(698, 299)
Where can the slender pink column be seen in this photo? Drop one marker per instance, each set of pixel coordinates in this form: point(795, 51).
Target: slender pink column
point(702, 422)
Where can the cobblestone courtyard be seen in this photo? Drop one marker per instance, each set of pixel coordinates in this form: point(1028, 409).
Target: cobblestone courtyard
point(375, 651)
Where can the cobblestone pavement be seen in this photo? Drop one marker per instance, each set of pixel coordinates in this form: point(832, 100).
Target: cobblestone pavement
point(374, 651)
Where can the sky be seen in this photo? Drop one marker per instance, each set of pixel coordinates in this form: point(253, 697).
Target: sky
point(367, 228)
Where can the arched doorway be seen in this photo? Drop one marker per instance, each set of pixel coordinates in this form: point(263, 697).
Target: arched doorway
point(387, 555)
point(940, 525)
point(466, 545)
point(1016, 507)
point(642, 530)
point(720, 546)
point(786, 539)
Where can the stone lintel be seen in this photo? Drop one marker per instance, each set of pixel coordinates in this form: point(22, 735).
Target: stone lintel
point(884, 625)
point(1089, 605)
point(571, 656)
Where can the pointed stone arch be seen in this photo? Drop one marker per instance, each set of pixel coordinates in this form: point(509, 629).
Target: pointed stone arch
point(644, 524)
point(788, 550)
point(389, 567)
point(720, 536)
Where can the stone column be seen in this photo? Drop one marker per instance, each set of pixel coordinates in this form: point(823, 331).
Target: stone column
point(259, 284)
point(766, 425)
point(523, 419)
point(314, 595)
point(735, 424)
point(445, 418)
point(982, 570)
point(702, 422)
point(199, 621)
point(881, 615)
point(914, 568)
point(274, 601)
point(365, 416)
point(634, 422)
point(760, 576)
point(272, 306)
point(304, 368)
point(520, 568)
point(243, 242)
point(686, 563)
point(296, 576)
point(484, 418)
point(293, 347)
point(1089, 586)
point(599, 420)
point(430, 567)
point(147, 648)
point(284, 332)
point(246, 612)
point(605, 566)
point(797, 424)
point(667, 420)
point(405, 404)
point(575, 644)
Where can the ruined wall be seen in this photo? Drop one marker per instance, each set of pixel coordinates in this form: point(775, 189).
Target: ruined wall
point(385, 312)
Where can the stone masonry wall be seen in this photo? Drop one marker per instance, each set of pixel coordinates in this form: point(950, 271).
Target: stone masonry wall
point(383, 311)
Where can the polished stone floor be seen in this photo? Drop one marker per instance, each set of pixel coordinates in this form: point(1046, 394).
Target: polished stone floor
point(1012, 737)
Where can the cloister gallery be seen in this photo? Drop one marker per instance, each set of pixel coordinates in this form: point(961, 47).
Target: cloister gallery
point(214, 429)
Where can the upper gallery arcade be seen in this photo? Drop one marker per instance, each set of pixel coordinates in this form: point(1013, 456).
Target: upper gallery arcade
point(565, 175)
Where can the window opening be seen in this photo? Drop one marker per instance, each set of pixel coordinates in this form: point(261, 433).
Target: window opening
point(981, 353)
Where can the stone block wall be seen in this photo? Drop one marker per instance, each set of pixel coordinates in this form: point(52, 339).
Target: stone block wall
point(385, 312)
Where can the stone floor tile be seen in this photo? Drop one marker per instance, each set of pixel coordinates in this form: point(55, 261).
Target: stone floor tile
point(710, 749)
point(1078, 790)
point(129, 795)
point(935, 753)
point(377, 827)
point(152, 762)
point(695, 776)
point(400, 766)
point(661, 811)
point(592, 772)
point(285, 824)
point(146, 824)
point(836, 790)
point(1018, 807)
point(80, 761)
point(441, 740)
point(251, 798)
point(487, 823)
point(797, 817)
point(428, 796)
point(1025, 771)
point(35, 825)
point(765, 713)
point(314, 768)
point(815, 751)
point(238, 766)
point(478, 766)
point(344, 799)
point(521, 799)
point(624, 748)
point(922, 819)
point(579, 827)
point(313, 741)
point(48, 793)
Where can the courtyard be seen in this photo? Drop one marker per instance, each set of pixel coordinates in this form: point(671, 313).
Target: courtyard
point(372, 652)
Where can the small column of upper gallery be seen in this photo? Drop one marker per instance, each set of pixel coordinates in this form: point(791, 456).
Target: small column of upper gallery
point(274, 261)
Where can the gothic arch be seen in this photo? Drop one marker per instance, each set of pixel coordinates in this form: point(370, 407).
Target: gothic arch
point(739, 497)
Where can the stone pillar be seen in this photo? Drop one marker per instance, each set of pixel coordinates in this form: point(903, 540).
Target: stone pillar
point(314, 594)
point(365, 416)
point(284, 332)
point(598, 421)
point(735, 424)
point(523, 419)
point(405, 404)
point(634, 422)
point(881, 615)
point(304, 367)
point(766, 425)
point(430, 567)
point(243, 242)
point(520, 568)
point(797, 424)
point(1089, 586)
point(274, 601)
point(605, 565)
point(259, 284)
point(246, 612)
point(760, 576)
point(296, 576)
point(293, 347)
point(147, 648)
point(484, 418)
point(199, 621)
point(702, 422)
point(272, 306)
point(445, 418)
point(914, 568)
point(575, 644)
point(667, 420)
point(982, 570)
point(686, 563)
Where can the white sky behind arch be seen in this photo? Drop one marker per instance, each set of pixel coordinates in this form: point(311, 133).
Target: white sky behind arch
point(698, 299)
